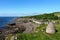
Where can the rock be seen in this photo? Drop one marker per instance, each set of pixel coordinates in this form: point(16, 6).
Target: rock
point(12, 25)
point(50, 28)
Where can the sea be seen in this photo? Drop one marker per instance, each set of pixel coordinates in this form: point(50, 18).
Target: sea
point(4, 21)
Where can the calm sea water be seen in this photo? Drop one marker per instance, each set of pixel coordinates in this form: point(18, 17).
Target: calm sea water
point(5, 20)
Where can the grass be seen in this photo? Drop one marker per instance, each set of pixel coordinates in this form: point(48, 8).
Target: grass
point(9, 37)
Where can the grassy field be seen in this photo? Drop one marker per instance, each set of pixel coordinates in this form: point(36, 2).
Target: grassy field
point(40, 34)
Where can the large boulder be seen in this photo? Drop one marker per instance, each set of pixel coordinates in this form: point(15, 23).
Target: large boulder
point(50, 28)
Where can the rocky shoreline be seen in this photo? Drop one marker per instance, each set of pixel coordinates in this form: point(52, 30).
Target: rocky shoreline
point(23, 25)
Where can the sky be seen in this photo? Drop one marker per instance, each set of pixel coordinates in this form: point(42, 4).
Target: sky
point(28, 7)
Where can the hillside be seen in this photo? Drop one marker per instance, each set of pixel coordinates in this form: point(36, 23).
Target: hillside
point(57, 13)
point(40, 33)
point(50, 16)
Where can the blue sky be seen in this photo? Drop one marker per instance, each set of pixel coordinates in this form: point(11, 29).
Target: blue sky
point(28, 7)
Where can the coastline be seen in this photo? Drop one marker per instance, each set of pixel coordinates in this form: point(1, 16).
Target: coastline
point(5, 20)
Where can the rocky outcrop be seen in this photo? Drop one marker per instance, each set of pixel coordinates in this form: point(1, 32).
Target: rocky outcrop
point(23, 25)
point(50, 28)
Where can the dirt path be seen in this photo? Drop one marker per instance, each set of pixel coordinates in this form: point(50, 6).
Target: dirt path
point(12, 38)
